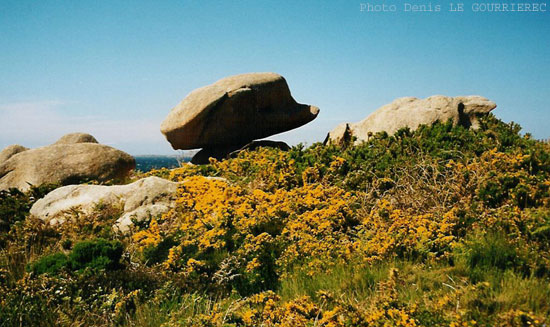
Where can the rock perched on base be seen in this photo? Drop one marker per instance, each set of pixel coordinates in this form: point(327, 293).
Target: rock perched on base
point(148, 197)
point(235, 111)
point(74, 138)
point(10, 151)
point(412, 112)
point(64, 164)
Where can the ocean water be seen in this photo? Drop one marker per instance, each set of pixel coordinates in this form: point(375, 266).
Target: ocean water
point(146, 163)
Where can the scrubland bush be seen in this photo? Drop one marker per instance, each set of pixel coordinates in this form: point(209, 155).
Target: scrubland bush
point(50, 264)
point(15, 206)
point(98, 254)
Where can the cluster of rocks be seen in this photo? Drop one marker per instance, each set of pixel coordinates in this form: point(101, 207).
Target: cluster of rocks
point(138, 201)
point(72, 159)
point(221, 119)
point(229, 114)
point(146, 197)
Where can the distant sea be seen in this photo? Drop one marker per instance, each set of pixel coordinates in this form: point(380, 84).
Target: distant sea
point(146, 163)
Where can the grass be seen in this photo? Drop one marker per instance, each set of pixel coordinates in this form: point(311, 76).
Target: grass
point(500, 291)
point(351, 280)
point(179, 309)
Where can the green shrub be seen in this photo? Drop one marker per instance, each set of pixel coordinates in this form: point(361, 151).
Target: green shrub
point(96, 254)
point(50, 264)
point(15, 205)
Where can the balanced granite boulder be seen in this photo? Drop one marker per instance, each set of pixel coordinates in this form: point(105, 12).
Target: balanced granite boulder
point(412, 112)
point(235, 111)
point(64, 164)
point(10, 151)
point(145, 198)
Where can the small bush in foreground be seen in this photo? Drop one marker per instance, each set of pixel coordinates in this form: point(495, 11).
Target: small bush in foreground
point(98, 254)
point(50, 264)
point(15, 205)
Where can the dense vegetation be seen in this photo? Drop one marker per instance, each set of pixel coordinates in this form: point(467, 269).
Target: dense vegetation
point(442, 226)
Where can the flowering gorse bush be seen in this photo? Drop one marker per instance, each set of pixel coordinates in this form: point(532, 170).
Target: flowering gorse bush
point(262, 233)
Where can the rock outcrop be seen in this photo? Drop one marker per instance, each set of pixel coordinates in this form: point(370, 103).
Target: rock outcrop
point(10, 151)
point(64, 164)
point(235, 111)
point(412, 112)
point(147, 197)
point(74, 138)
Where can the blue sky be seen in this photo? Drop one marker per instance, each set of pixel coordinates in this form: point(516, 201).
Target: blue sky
point(116, 68)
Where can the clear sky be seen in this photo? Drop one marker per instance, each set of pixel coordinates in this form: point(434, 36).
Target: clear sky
point(115, 68)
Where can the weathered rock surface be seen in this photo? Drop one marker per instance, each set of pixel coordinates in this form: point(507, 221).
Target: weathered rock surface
point(148, 197)
point(10, 151)
point(74, 138)
point(64, 164)
point(235, 111)
point(413, 112)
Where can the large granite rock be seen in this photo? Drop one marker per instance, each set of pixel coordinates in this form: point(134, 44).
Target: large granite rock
point(10, 151)
point(74, 138)
point(64, 164)
point(235, 111)
point(148, 197)
point(412, 112)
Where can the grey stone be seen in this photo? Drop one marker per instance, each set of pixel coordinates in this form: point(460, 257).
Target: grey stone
point(64, 164)
point(235, 111)
point(145, 198)
point(412, 112)
point(74, 138)
point(10, 151)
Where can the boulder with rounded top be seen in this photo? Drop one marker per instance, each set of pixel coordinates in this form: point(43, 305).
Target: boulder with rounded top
point(74, 138)
point(235, 111)
point(412, 112)
point(64, 164)
point(10, 151)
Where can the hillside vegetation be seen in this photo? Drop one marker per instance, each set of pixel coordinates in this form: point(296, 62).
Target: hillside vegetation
point(443, 226)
